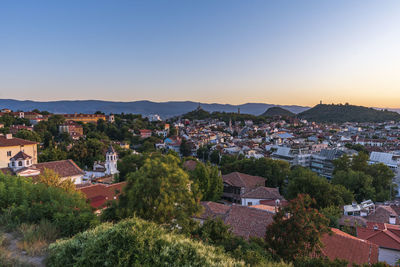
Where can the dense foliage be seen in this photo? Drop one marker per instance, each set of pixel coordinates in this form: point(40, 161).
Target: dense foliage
point(347, 113)
point(363, 180)
point(23, 201)
point(208, 180)
point(135, 242)
point(159, 191)
point(201, 114)
point(297, 229)
point(304, 181)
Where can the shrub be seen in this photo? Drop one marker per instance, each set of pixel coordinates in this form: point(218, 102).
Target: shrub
point(134, 242)
point(22, 201)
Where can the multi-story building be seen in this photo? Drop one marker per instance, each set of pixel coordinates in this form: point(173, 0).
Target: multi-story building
point(322, 163)
point(85, 118)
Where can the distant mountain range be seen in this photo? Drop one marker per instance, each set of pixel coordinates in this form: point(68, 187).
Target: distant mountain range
point(164, 109)
point(347, 113)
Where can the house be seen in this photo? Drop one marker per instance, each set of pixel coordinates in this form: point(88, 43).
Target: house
point(85, 118)
point(145, 133)
point(173, 143)
point(386, 236)
point(22, 165)
point(72, 128)
point(253, 221)
point(340, 245)
point(384, 214)
point(10, 146)
point(253, 197)
point(99, 194)
point(322, 163)
point(236, 184)
point(244, 221)
point(16, 128)
point(363, 209)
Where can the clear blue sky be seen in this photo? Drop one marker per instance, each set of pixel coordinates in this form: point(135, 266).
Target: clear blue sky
point(226, 51)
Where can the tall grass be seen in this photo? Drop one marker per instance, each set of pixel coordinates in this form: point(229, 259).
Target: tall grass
point(37, 237)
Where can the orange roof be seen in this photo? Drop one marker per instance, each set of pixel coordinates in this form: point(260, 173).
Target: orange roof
point(344, 246)
point(99, 194)
point(264, 207)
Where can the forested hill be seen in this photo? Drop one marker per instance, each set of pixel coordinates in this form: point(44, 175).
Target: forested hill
point(347, 113)
point(278, 111)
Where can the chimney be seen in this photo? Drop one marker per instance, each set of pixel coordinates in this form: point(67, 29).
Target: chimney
point(9, 136)
point(392, 219)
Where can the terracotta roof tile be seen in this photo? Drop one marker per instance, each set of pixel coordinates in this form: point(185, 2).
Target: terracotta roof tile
point(213, 209)
point(99, 194)
point(64, 168)
point(263, 192)
point(248, 222)
point(4, 142)
point(344, 246)
point(243, 180)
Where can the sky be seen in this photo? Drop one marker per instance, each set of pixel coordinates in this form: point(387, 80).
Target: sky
point(213, 51)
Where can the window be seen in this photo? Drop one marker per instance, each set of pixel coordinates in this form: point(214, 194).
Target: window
point(27, 162)
point(13, 163)
point(19, 163)
point(8, 153)
point(249, 203)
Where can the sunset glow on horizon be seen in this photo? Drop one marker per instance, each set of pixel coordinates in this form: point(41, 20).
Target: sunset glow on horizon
point(230, 52)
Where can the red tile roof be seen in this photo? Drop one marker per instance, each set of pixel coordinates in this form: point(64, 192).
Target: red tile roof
point(4, 142)
point(385, 235)
point(248, 222)
point(213, 209)
point(344, 246)
point(382, 214)
point(99, 194)
point(243, 180)
point(263, 192)
point(64, 168)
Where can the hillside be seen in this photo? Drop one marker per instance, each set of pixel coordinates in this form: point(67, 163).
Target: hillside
point(277, 111)
point(164, 109)
point(347, 113)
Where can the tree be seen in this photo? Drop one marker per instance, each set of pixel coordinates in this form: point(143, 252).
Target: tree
point(52, 154)
point(360, 162)
point(51, 178)
point(129, 164)
point(382, 181)
point(28, 135)
point(304, 181)
point(215, 157)
point(159, 191)
point(208, 180)
point(299, 234)
point(185, 148)
point(357, 182)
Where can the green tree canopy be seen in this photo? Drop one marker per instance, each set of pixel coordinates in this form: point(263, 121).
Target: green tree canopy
point(304, 181)
point(159, 191)
point(209, 181)
point(299, 234)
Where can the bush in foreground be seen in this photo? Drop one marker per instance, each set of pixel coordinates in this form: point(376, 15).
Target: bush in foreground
point(134, 242)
